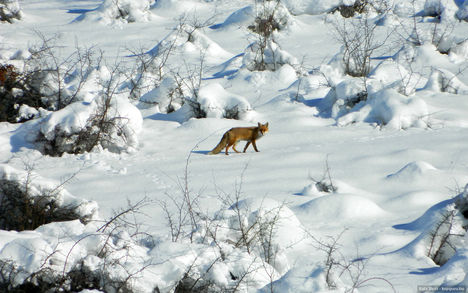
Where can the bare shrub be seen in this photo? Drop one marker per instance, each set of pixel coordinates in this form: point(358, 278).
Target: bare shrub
point(325, 183)
point(190, 79)
point(150, 68)
point(359, 41)
point(232, 113)
point(184, 221)
point(50, 74)
point(441, 35)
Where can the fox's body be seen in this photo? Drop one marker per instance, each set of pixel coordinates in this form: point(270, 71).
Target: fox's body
point(234, 135)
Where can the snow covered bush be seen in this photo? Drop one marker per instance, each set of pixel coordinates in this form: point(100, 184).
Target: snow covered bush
point(168, 96)
point(264, 53)
point(442, 80)
point(443, 230)
point(10, 10)
point(12, 94)
point(462, 13)
point(347, 8)
point(416, 30)
point(350, 8)
point(271, 15)
point(461, 205)
point(71, 256)
point(26, 204)
point(124, 10)
point(210, 101)
point(216, 102)
point(45, 79)
point(268, 55)
point(106, 122)
point(298, 7)
point(445, 236)
point(444, 10)
point(259, 226)
point(247, 242)
point(351, 101)
point(449, 226)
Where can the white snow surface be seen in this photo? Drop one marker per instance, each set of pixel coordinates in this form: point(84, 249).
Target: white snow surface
point(398, 158)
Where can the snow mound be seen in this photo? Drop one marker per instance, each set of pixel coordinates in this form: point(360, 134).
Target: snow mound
point(187, 39)
point(460, 49)
point(242, 16)
point(441, 231)
point(340, 206)
point(313, 7)
point(412, 171)
point(300, 279)
point(180, 7)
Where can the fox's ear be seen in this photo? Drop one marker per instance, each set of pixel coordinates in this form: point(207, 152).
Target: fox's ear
point(259, 124)
point(266, 125)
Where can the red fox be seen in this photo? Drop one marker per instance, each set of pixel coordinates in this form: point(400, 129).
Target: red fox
point(234, 135)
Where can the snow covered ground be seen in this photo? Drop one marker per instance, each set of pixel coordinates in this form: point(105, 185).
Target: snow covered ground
point(397, 159)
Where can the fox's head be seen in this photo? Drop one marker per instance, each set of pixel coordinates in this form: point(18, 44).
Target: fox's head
point(263, 128)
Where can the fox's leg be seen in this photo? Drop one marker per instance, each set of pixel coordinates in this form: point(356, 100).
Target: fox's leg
point(255, 145)
point(234, 147)
point(227, 148)
point(246, 145)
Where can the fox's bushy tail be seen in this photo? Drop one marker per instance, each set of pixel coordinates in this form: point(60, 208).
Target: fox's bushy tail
point(221, 145)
